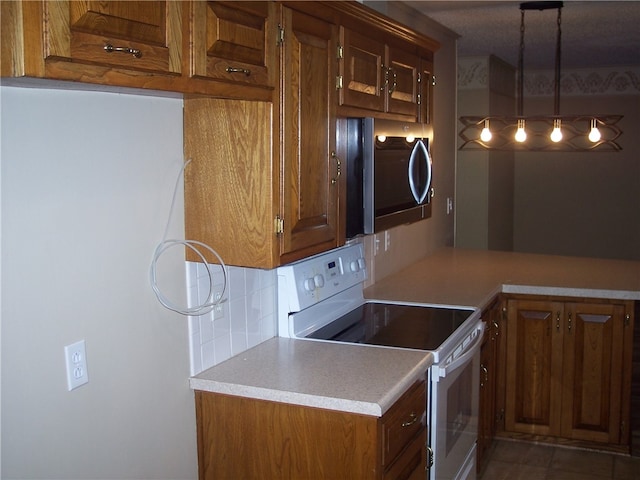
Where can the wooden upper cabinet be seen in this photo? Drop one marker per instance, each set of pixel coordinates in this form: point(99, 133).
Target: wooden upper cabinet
point(231, 183)
point(383, 77)
point(234, 42)
point(311, 169)
point(402, 87)
point(122, 43)
point(426, 81)
point(144, 36)
point(361, 71)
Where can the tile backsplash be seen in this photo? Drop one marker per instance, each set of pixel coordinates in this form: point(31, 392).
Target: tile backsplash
point(245, 318)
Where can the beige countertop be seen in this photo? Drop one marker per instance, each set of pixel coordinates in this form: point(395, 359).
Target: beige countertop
point(472, 278)
point(350, 378)
point(367, 379)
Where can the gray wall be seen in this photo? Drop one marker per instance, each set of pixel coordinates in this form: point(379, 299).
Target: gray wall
point(564, 203)
point(484, 178)
point(582, 204)
point(411, 242)
point(87, 180)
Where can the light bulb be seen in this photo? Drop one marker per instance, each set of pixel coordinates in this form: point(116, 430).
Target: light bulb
point(556, 134)
point(382, 138)
point(521, 135)
point(594, 134)
point(485, 135)
point(410, 138)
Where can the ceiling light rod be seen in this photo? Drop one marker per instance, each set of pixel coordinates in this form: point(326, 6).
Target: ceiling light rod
point(543, 6)
point(540, 5)
point(556, 135)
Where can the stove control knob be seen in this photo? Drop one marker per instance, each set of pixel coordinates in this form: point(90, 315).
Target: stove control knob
point(309, 285)
point(354, 266)
point(318, 280)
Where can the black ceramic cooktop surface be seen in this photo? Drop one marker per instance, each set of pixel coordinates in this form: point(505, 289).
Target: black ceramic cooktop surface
point(407, 326)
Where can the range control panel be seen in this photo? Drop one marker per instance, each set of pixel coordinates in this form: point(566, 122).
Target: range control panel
point(312, 280)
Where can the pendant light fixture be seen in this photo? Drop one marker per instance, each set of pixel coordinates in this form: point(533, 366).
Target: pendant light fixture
point(553, 132)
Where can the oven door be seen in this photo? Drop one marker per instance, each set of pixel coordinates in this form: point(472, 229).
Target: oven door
point(454, 413)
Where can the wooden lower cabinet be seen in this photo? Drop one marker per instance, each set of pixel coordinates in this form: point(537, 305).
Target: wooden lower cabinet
point(245, 438)
point(568, 370)
point(488, 379)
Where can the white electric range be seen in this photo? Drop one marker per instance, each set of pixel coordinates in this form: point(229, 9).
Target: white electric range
point(321, 299)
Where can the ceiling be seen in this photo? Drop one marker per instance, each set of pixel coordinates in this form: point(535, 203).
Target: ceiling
point(594, 33)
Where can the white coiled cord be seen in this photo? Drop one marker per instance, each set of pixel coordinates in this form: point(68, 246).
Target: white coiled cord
point(210, 302)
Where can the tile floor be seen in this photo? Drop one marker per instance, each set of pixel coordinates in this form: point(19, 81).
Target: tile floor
point(512, 460)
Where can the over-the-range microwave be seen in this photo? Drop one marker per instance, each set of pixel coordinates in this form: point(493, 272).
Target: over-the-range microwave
point(389, 174)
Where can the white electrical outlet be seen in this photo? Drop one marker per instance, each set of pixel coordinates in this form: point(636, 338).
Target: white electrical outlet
point(76, 360)
point(387, 240)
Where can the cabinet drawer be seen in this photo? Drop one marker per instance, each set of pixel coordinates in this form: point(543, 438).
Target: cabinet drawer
point(403, 421)
point(411, 464)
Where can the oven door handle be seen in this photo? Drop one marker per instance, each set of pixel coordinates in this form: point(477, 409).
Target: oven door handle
point(462, 359)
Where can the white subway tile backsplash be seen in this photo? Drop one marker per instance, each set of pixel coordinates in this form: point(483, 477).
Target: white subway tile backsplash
point(238, 342)
point(245, 318)
point(208, 351)
point(206, 328)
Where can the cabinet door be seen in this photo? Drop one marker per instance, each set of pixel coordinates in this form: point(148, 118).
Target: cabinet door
point(234, 42)
point(311, 170)
point(426, 84)
point(534, 367)
point(363, 72)
point(488, 377)
point(487, 402)
point(243, 438)
point(141, 36)
point(229, 184)
point(411, 464)
point(593, 379)
point(402, 82)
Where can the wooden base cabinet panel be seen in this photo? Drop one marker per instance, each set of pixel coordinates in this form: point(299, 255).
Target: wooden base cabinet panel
point(568, 367)
point(251, 439)
point(412, 462)
point(594, 363)
point(487, 421)
point(247, 439)
point(534, 367)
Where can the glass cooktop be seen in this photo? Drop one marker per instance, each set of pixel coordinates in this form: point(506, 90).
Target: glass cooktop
point(406, 326)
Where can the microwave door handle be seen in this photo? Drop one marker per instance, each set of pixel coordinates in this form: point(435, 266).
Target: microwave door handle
point(418, 148)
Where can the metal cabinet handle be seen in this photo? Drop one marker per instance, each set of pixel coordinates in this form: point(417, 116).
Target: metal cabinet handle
point(496, 330)
point(413, 418)
point(133, 51)
point(386, 78)
point(334, 155)
point(569, 322)
point(558, 321)
point(246, 71)
point(485, 380)
point(394, 84)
